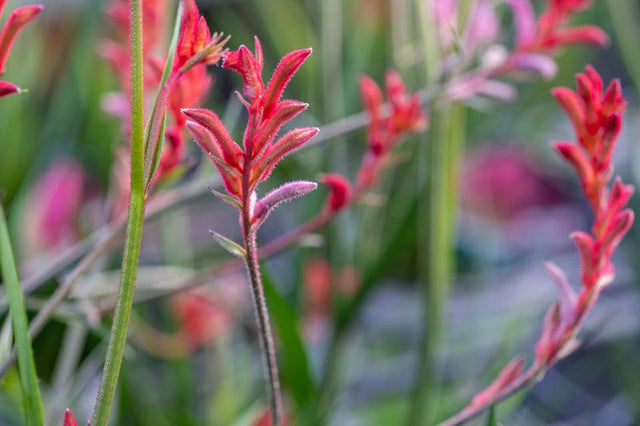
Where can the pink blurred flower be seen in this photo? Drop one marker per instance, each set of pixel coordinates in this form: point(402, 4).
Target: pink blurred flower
point(54, 205)
point(502, 182)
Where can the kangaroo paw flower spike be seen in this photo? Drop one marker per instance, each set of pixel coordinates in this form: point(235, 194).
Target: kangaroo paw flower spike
point(596, 116)
point(19, 18)
point(243, 167)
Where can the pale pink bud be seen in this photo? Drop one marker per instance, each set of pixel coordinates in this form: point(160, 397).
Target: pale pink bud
point(284, 193)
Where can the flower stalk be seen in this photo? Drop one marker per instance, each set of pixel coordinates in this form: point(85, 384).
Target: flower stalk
point(133, 238)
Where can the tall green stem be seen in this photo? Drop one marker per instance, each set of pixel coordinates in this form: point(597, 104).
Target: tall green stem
point(122, 313)
point(26, 366)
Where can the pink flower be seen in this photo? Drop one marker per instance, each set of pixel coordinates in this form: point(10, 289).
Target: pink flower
point(18, 20)
point(54, 205)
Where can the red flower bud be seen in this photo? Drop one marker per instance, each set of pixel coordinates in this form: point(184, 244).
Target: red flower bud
point(340, 191)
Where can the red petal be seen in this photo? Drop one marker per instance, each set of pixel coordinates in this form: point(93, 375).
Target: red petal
point(574, 155)
point(284, 112)
point(7, 88)
point(69, 420)
point(371, 97)
point(570, 102)
point(244, 63)
point(231, 152)
point(585, 245)
point(18, 19)
point(341, 191)
point(283, 73)
point(283, 147)
point(589, 34)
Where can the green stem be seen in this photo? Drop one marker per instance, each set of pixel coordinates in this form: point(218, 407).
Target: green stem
point(133, 239)
point(26, 366)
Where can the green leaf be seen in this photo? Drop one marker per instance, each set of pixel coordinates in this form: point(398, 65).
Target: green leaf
point(229, 245)
point(26, 366)
point(295, 362)
point(226, 198)
point(153, 148)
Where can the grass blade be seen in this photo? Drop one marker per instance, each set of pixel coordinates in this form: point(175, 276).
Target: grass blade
point(26, 366)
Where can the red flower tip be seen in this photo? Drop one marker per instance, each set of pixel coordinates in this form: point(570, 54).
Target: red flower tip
point(570, 103)
point(69, 420)
point(588, 34)
point(340, 191)
point(7, 88)
point(249, 67)
point(19, 18)
point(576, 157)
point(371, 97)
point(285, 70)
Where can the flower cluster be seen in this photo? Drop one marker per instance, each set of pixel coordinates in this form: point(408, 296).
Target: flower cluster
point(19, 18)
point(243, 168)
point(551, 30)
point(537, 40)
point(189, 80)
point(596, 117)
point(386, 129)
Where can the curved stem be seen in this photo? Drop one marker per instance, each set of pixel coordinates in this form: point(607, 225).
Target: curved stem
point(122, 313)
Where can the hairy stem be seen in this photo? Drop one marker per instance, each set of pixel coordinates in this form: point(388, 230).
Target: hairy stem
point(133, 239)
point(264, 328)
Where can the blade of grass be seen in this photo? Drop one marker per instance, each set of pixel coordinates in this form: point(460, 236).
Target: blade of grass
point(26, 366)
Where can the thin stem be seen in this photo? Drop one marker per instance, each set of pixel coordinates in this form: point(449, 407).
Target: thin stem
point(264, 328)
point(133, 239)
point(26, 366)
point(528, 379)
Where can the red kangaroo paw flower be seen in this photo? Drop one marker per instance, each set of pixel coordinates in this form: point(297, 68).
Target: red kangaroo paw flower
point(284, 112)
point(69, 420)
point(572, 106)
point(7, 88)
point(288, 66)
point(588, 34)
point(278, 151)
point(19, 18)
point(249, 67)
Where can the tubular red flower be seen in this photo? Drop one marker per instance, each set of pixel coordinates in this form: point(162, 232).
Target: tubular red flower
point(69, 420)
point(340, 191)
point(242, 169)
point(19, 18)
point(7, 88)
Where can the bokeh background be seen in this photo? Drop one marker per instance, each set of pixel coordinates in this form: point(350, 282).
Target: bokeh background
point(518, 204)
